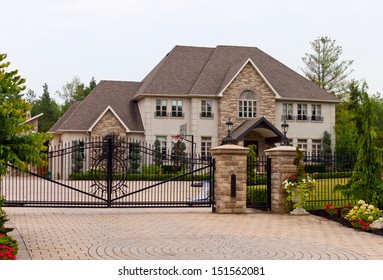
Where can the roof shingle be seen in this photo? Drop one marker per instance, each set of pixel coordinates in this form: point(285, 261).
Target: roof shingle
point(116, 94)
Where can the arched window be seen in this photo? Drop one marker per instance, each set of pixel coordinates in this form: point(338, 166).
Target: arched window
point(247, 105)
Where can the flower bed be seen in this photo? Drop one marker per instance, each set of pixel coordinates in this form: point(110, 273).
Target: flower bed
point(8, 245)
point(357, 217)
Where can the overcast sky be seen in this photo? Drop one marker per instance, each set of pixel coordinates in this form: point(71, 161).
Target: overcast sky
point(51, 41)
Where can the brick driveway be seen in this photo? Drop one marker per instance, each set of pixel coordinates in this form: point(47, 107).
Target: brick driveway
point(184, 233)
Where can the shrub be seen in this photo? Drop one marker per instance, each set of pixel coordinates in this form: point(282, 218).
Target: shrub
point(8, 245)
point(313, 168)
point(256, 196)
point(151, 169)
point(10, 242)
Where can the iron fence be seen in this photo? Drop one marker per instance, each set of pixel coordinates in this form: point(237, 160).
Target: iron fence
point(330, 173)
point(112, 172)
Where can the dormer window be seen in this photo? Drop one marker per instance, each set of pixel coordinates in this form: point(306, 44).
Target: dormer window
point(247, 105)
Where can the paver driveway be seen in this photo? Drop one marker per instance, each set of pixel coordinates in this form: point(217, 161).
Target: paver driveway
point(184, 233)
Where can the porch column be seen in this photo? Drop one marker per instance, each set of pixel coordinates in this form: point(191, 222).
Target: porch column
point(282, 165)
point(230, 179)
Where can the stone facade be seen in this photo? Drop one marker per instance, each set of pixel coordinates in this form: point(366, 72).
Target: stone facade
point(108, 124)
point(282, 165)
point(230, 160)
point(247, 79)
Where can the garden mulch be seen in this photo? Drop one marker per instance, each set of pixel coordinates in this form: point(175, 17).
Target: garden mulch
point(340, 220)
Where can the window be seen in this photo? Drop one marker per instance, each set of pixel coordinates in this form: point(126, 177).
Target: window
point(177, 108)
point(205, 146)
point(316, 112)
point(302, 112)
point(206, 109)
point(302, 144)
point(247, 105)
point(287, 111)
point(316, 147)
point(161, 108)
point(162, 140)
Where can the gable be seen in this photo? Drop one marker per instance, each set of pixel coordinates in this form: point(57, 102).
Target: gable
point(109, 118)
point(230, 77)
point(107, 95)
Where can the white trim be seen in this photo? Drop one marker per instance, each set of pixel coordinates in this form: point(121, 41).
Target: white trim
point(114, 113)
point(319, 101)
point(33, 118)
point(259, 72)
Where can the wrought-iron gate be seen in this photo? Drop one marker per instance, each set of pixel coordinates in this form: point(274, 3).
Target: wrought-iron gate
point(112, 172)
point(258, 192)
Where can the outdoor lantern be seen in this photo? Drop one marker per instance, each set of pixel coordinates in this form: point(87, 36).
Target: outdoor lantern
point(285, 128)
point(229, 125)
point(228, 139)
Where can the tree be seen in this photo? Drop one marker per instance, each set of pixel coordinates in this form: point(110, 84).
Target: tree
point(346, 133)
point(18, 146)
point(75, 91)
point(157, 153)
point(324, 67)
point(48, 106)
point(326, 144)
point(366, 182)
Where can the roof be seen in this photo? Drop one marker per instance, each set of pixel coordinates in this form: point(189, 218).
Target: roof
point(261, 124)
point(207, 71)
point(116, 95)
point(187, 71)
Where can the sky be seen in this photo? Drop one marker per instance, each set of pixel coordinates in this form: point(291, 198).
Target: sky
point(52, 41)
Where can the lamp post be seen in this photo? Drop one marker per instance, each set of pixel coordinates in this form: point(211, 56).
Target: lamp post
point(228, 139)
point(285, 127)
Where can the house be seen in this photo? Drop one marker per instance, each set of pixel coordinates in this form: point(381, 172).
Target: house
point(196, 90)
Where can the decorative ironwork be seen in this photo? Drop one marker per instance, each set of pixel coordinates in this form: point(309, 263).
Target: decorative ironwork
point(109, 165)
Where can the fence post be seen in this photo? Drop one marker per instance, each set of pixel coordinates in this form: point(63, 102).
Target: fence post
point(109, 172)
point(230, 160)
point(282, 165)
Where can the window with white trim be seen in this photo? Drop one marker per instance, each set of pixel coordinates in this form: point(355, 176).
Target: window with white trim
point(162, 140)
point(302, 112)
point(316, 112)
point(205, 146)
point(161, 108)
point(206, 109)
point(177, 109)
point(316, 147)
point(302, 144)
point(287, 113)
point(247, 105)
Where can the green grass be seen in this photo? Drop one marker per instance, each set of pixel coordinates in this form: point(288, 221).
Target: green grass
point(324, 194)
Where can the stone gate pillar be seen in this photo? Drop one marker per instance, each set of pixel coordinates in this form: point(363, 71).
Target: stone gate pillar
point(230, 179)
point(282, 165)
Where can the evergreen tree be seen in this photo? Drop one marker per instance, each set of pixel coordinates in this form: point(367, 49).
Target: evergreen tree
point(326, 144)
point(324, 67)
point(366, 182)
point(49, 108)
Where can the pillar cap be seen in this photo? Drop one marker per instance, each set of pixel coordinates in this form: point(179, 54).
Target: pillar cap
point(229, 148)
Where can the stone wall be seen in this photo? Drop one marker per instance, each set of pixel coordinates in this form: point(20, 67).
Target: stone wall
point(247, 79)
point(108, 124)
